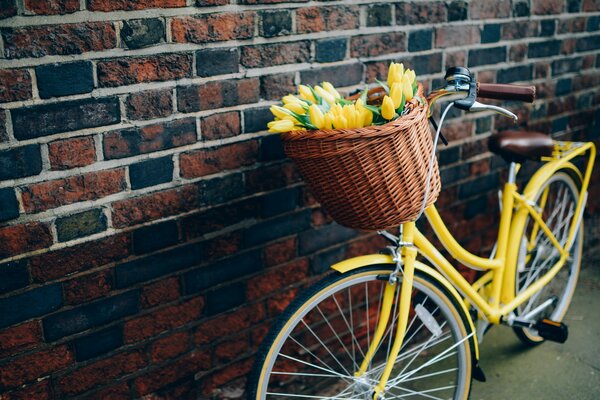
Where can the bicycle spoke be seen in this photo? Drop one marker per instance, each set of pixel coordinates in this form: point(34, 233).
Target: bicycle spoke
point(344, 377)
point(325, 347)
point(336, 335)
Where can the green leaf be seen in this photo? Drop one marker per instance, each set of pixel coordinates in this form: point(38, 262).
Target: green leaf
point(363, 95)
point(319, 99)
point(384, 86)
point(373, 109)
point(401, 106)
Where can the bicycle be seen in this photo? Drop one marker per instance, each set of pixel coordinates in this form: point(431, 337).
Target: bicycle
point(389, 326)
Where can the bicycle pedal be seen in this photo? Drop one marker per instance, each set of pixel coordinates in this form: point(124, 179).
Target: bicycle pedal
point(551, 330)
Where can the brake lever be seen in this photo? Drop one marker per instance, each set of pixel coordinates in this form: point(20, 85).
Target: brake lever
point(477, 106)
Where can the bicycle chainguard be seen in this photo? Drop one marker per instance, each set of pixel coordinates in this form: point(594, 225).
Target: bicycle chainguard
point(551, 330)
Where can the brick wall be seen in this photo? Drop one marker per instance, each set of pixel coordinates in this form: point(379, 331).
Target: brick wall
point(151, 229)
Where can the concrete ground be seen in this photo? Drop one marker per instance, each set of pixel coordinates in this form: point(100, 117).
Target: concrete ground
point(552, 370)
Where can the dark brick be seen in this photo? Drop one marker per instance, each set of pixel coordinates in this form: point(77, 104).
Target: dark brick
point(588, 43)
point(8, 8)
point(80, 225)
point(420, 40)
point(317, 239)
point(573, 6)
point(13, 275)
point(544, 49)
point(3, 132)
point(223, 271)
point(274, 87)
point(563, 86)
point(91, 315)
point(343, 75)
point(220, 126)
point(149, 104)
point(483, 125)
point(490, 33)
point(278, 227)
point(379, 15)
point(276, 23)
point(256, 119)
point(271, 148)
point(377, 44)
point(150, 267)
point(218, 94)
point(321, 262)
point(64, 79)
point(225, 298)
point(475, 207)
point(521, 9)
point(416, 13)
point(222, 189)
point(513, 74)
point(279, 202)
point(593, 24)
point(477, 186)
point(34, 303)
point(492, 55)
point(44, 120)
point(211, 62)
point(335, 18)
point(20, 162)
point(151, 172)
point(449, 155)
point(9, 207)
point(560, 124)
point(426, 64)
point(458, 11)
point(149, 138)
point(217, 218)
point(454, 174)
point(98, 343)
point(268, 55)
point(566, 65)
point(154, 237)
point(329, 50)
point(138, 33)
point(548, 27)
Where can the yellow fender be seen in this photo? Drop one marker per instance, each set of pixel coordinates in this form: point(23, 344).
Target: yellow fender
point(378, 259)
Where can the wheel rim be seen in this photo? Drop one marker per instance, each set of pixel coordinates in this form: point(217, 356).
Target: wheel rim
point(537, 255)
point(323, 344)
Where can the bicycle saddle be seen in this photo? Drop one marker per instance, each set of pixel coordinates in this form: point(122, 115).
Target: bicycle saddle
point(519, 146)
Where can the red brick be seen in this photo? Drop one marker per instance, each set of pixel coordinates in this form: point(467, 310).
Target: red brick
point(88, 287)
point(450, 36)
point(117, 392)
point(209, 161)
point(231, 372)
point(415, 13)
point(274, 87)
point(224, 325)
point(154, 206)
point(320, 217)
point(113, 5)
point(128, 71)
point(571, 25)
point(19, 239)
point(276, 279)
point(366, 245)
point(219, 126)
point(20, 337)
point(276, 304)
point(454, 58)
point(222, 246)
point(64, 39)
point(34, 366)
point(590, 5)
point(377, 44)
point(43, 196)
point(317, 19)
point(51, 7)
point(149, 104)
point(187, 366)
point(163, 320)
point(71, 153)
point(213, 27)
point(519, 29)
point(280, 252)
point(102, 371)
point(169, 347)
point(517, 52)
point(15, 85)
point(163, 291)
point(218, 94)
point(488, 9)
point(37, 391)
point(85, 256)
point(268, 55)
point(459, 130)
point(149, 138)
point(229, 350)
point(545, 7)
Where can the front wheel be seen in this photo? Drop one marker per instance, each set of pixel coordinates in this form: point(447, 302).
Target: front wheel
point(316, 346)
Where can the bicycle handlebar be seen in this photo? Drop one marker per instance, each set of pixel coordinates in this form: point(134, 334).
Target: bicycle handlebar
point(500, 91)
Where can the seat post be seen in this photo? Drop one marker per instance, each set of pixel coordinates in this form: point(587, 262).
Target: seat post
point(512, 172)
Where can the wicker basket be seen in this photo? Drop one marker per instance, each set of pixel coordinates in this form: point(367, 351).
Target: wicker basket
point(369, 178)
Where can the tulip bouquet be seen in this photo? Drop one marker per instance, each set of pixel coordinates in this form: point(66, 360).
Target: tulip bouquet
point(322, 107)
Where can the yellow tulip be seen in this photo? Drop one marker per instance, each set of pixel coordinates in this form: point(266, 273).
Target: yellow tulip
point(331, 89)
point(387, 108)
point(411, 75)
point(279, 112)
point(295, 107)
point(328, 124)
point(395, 73)
point(396, 94)
point(407, 89)
point(339, 122)
point(306, 93)
point(290, 98)
point(316, 116)
point(367, 117)
point(283, 125)
point(325, 94)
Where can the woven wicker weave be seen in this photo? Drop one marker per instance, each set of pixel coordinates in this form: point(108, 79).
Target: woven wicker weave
point(368, 178)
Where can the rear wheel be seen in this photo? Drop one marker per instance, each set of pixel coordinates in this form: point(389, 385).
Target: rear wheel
point(537, 255)
point(319, 342)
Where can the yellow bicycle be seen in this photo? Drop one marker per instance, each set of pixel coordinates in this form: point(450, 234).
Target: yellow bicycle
point(391, 326)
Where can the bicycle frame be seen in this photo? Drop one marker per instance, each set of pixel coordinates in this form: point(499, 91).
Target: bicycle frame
point(501, 269)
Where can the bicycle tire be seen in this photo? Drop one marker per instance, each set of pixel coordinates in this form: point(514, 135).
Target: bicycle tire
point(295, 382)
point(534, 259)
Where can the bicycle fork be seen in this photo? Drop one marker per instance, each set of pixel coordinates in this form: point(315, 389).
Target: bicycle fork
point(405, 263)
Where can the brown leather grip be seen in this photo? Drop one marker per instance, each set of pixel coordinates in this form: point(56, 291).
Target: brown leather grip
point(501, 91)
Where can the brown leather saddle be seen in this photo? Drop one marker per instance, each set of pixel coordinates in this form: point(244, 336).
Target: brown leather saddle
point(519, 146)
